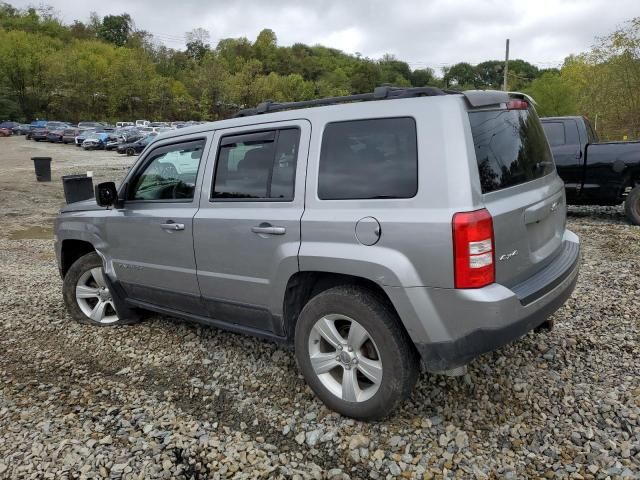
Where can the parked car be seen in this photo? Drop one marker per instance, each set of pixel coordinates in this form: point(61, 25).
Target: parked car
point(35, 125)
point(136, 146)
point(113, 142)
point(95, 141)
point(408, 227)
point(9, 125)
point(69, 135)
point(124, 124)
point(21, 129)
point(55, 135)
point(41, 132)
point(5, 132)
point(594, 172)
point(82, 135)
point(142, 123)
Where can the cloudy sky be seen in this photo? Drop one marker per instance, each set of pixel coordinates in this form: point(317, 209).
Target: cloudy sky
point(431, 33)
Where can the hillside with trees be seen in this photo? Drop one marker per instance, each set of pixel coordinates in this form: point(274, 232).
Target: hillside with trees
point(107, 69)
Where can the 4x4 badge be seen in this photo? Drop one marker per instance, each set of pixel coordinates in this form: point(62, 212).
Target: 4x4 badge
point(508, 256)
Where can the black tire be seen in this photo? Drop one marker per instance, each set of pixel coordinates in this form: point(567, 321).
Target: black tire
point(399, 359)
point(632, 206)
point(80, 266)
point(130, 152)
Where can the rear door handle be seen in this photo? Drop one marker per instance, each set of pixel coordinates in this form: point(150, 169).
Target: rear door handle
point(172, 226)
point(266, 229)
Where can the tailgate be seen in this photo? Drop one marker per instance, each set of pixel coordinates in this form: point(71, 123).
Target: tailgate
point(528, 226)
point(521, 189)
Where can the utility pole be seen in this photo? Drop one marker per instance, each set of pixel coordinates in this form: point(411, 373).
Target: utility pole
point(506, 66)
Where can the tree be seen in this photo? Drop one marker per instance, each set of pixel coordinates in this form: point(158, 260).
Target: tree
point(24, 63)
point(116, 29)
point(423, 77)
point(461, 75)
point(394, 71)
point(490, 74)
point(197, 43)
point(554, 96)
point(365, 76)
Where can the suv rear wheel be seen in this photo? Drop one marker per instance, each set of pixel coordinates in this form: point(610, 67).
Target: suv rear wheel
point(86, 293)
point(354, 354)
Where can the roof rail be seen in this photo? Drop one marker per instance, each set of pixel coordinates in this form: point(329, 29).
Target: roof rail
point(384, 92)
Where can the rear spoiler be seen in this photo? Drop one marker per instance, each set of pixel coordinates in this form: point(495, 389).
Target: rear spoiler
point(485, 98)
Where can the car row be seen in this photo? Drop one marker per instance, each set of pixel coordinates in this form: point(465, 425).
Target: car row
point(126, 137)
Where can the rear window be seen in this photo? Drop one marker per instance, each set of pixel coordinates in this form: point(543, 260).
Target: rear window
point(369, 159)
point(511, 148)
point(555, 133)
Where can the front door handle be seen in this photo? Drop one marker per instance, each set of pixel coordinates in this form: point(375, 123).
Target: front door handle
point(268, 229)
point(172, 226)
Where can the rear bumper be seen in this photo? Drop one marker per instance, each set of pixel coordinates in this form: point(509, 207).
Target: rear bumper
point(455, 326)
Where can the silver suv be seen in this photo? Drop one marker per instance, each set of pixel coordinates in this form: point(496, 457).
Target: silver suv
point(374, 233)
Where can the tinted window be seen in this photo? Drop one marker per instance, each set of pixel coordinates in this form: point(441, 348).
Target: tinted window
point(555, 133)
point(169, 174)
point(511, 148)
point(258, 165)
point(366, 159)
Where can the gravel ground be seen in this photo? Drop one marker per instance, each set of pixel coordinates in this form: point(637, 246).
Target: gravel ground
point(167, 399)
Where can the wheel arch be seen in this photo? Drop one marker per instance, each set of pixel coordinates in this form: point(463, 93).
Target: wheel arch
point(72, 250)
point(303, 286)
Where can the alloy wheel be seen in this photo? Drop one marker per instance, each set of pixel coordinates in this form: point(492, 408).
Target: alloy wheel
point(345, 358)
point(94, 298)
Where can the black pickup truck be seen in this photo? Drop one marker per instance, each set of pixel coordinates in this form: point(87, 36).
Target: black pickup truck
point(595, 173)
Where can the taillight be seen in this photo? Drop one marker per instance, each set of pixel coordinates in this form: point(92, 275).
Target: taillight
point(517, 104)
point(473, 249)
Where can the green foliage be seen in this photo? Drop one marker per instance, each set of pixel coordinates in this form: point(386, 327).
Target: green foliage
point(553, 94)
point(115, 29)
point(106, 69)
point(606, 82)
point(461, 76)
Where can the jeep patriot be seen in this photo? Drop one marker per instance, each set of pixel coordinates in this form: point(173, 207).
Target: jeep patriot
point(375, 233)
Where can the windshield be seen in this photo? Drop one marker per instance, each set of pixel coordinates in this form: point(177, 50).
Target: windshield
point(511, 147)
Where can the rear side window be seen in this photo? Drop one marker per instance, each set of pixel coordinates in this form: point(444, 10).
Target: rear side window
point(257, 166)
point(555, 133)
point(368, 159)
point(511, 148)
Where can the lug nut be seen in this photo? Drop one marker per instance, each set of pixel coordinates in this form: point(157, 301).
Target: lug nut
point(350, 348)
point(339, 347)
point(355, 361)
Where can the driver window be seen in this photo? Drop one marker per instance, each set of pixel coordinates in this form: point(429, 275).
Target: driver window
point(170, 174)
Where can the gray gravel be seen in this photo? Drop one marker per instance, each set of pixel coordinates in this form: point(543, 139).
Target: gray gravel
point(167, 399)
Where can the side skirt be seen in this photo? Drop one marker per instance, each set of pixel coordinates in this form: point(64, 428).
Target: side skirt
point(232, 327)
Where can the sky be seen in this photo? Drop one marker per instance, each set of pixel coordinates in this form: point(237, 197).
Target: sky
point(424, 33)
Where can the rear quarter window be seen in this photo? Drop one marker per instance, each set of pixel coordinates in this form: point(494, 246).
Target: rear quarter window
point(510, 146)
point(369, 159)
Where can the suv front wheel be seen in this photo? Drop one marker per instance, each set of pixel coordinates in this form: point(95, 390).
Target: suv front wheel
point(354, 354)
point(86, 293)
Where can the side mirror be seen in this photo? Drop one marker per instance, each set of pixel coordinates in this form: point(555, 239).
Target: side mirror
point(106, 194)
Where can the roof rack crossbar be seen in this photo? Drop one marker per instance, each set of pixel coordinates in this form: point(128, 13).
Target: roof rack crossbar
point(384, 92)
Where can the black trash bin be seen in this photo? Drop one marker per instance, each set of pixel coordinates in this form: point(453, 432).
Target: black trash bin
point(77, 188)
point(43, 168)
